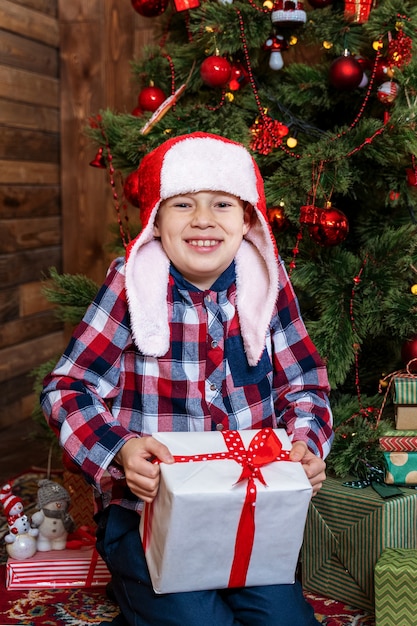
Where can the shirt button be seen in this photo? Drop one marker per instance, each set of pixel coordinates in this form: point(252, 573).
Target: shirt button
point(213, 387)
point(208, 298)
point(219, 427)
point(214, 344)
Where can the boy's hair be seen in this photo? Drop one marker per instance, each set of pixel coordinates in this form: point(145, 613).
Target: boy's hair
point(188, 164)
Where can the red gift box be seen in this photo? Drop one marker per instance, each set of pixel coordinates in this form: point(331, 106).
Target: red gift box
point(399, 441)
point(358, 10)
point(58, 569)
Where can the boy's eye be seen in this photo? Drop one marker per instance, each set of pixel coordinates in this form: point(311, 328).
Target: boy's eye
point(223, 204)
point(182, 205)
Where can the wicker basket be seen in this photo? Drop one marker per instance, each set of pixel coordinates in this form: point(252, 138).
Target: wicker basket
point(82, 501)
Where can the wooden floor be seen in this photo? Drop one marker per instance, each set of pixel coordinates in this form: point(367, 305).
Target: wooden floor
point(22, 446)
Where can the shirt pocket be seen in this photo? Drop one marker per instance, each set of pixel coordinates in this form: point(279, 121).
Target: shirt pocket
point(243, 373)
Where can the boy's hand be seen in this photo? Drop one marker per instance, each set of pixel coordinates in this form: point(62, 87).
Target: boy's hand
point(142, 477)
point(314, 466)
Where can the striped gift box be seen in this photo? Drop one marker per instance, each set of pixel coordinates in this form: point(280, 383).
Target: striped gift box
point(405, 401)
point(405, 389)
point(58, 569)
point(347, 530)
point(396, 588)
point(395, 441)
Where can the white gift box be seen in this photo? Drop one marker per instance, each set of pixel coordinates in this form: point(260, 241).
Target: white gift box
point(58, 569)
point(190, 531)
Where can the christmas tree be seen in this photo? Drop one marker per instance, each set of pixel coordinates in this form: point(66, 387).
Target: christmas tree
point(325, 97)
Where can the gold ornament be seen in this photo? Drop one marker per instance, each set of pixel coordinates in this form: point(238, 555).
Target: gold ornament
point(293, 40)
point(377, 45)
point(414, 289)
point(291, 142)
point(268, 4)
point(327, 45)
point(230, 97)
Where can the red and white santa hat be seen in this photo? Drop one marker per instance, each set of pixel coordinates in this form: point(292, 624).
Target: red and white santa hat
point(188, 164)
point(12, 504)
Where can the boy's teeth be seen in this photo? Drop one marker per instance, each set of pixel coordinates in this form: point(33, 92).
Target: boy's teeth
point(203, 243)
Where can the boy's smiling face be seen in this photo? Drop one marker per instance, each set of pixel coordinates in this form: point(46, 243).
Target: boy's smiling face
point(201, 233)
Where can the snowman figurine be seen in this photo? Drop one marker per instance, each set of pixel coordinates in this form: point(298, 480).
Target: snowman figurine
point(21, 539)
point(52, 520)
point(12, 504)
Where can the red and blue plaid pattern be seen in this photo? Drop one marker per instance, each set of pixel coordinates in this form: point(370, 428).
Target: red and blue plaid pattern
point(103, 391)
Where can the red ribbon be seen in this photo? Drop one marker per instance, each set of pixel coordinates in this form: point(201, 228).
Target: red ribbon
point(264, 448)
point(84, 537)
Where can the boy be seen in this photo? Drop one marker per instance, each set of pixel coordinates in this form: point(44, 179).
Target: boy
point(197, 329)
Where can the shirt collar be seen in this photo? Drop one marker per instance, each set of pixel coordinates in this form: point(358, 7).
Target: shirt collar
point(223, 282)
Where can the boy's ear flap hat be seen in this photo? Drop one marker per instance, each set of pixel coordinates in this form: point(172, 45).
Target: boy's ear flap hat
point(188, 164)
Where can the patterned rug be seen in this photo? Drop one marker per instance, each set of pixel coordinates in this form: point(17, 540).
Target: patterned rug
point(81, 607)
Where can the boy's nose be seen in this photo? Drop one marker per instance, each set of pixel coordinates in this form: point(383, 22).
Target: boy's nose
point(202, 216)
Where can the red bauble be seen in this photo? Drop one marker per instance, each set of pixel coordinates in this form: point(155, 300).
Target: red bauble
point(345, 73)
point(411, 173)
point(328, 227)
point(319, 4)
point(137, 112)
point(387, 92)
point(409, 352)
point(215, 71)
point(150, 8)
point(131, 188)
point(239, 76)
point(185, 5)
point(277, 219)
point(150, 98)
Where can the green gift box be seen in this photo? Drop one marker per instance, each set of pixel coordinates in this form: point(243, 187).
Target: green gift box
point(396, 588)
point(405, 389)
point(405, 401)
point(347, 529)
point(401, 468)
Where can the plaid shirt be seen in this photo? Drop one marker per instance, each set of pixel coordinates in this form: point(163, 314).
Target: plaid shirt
point(103, 391)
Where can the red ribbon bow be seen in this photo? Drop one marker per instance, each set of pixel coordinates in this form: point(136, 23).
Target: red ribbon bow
point(264, 448)
point(84, 537)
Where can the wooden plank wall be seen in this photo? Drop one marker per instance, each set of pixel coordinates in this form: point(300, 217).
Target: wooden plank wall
point(30, 211)
point(60, 62)
point(99, 39)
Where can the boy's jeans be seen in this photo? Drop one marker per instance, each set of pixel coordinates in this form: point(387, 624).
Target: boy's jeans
point(119, 544)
